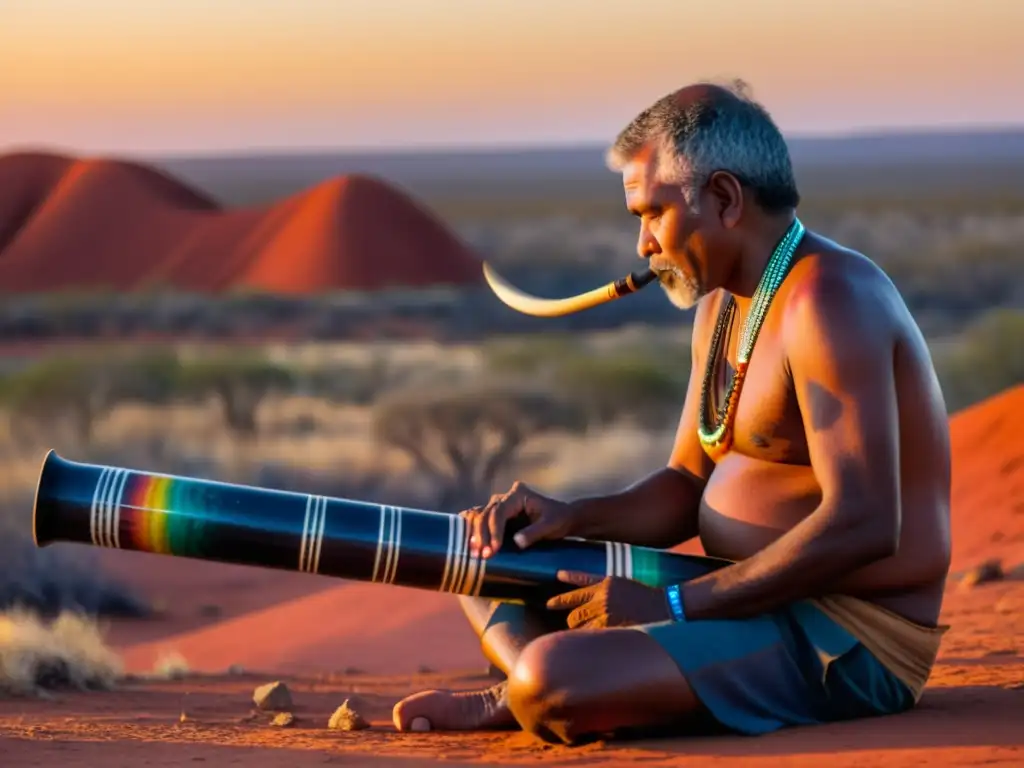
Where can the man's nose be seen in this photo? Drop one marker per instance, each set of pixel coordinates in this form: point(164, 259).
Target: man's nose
point(647, 246)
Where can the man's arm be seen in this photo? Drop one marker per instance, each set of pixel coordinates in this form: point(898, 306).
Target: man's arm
point(837, 332)
point(662, 509)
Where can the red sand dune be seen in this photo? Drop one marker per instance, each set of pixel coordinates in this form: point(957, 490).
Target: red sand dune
point(988, 481)
point(69, 223)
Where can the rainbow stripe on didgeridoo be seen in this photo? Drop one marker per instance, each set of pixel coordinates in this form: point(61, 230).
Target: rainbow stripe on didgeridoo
point(161, 514)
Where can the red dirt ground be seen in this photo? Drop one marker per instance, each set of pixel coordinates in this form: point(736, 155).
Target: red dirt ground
point(68, 223)
point(332, 641)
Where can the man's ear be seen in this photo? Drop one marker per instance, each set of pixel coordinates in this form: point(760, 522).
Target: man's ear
point(727, 195)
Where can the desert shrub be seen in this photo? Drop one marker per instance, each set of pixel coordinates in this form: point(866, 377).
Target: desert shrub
point(347, 382)
point(987, 359)
point(642, 387)
point(67, 652)
point(516, 356)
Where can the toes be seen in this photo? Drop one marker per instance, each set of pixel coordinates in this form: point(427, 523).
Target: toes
point(406, 714)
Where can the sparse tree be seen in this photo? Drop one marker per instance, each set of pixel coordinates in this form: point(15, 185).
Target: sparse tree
point(72, 391)
point(78, 389)
point(465, 437)
point(988, 358)
point(240, 383)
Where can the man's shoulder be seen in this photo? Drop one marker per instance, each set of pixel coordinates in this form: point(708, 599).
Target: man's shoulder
point(835, 292)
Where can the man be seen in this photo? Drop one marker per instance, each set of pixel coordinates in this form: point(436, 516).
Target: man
point(821, 472)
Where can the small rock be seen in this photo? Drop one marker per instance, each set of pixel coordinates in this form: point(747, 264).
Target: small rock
point(990, 570)
point(283, 719)
point(272, 696)
point(347, 719)
point(419, 724)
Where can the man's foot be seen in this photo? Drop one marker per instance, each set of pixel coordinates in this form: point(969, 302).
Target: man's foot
point(455, 710)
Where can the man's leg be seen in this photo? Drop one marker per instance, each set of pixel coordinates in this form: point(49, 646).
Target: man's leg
point(504, 629)
point(573, 686)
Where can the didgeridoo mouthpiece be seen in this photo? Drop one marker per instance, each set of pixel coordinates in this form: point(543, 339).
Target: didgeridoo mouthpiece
point(540, 307)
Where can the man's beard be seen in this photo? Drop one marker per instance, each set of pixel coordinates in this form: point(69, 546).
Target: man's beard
point(684, 291)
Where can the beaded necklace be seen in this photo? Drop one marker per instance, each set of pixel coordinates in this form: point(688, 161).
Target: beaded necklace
point(717, 438)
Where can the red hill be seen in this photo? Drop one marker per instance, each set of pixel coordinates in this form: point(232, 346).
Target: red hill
point(67, 223)
point(988, 480)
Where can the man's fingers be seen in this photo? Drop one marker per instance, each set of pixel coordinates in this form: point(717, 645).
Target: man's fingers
point(540, 528)
point(569, 600)
point(502, 508)
point(579, 578)
point(472, 517)
point(496, 528)
point(579, 617)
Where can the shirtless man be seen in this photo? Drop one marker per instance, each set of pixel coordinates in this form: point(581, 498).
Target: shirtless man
point(830, 494)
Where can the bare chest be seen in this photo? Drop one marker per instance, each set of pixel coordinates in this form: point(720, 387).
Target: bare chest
point(767, 424)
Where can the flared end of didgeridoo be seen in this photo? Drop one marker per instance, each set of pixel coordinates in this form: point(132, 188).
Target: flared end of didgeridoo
point(50, 456)
point(540, 307)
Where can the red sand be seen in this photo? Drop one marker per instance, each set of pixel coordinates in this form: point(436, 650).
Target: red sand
point(988, 481)
point(334, 640)
point(70, 223)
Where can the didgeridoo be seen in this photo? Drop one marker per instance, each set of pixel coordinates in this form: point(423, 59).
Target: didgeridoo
point(535, 305)
point(208, 520)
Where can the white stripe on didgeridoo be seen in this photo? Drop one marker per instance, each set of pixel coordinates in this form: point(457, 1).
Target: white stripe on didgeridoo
point(480, 577)
point(463, 561)
point(303, 545)
point(380, 544)
point(320, 534)
point(116, 527)
point(97, 493)
point(452, 525)
point(107, 509)
point(392, 526)
point(396, 549)
point(471, 568)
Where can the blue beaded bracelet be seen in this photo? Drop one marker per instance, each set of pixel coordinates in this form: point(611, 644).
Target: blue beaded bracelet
point(675, 602)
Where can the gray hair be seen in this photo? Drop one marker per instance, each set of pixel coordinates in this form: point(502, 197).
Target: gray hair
point(723, 129)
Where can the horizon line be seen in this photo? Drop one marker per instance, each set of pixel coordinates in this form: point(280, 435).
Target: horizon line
point(502, 147)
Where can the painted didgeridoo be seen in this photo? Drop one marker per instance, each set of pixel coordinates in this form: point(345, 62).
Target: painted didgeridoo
point(210, 520)
point(528, 304)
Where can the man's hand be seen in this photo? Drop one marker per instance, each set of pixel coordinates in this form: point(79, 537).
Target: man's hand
point(609, 602)
point(549, 519)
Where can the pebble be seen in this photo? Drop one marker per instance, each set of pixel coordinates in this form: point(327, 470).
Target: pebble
point(272, 696)
point(347, 719)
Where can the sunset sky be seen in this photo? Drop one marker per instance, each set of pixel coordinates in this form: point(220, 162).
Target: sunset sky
point(211, 75)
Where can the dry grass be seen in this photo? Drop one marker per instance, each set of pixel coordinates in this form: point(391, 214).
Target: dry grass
point(170, 665)
point(38, 656)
